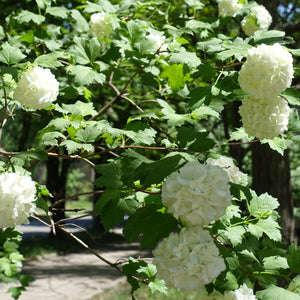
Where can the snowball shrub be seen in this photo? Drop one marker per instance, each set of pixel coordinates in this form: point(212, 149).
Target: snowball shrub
point(267, 71)
point(17, 196)
point(188, 260)
point(37, 88)
point(100, 25)
point(264, 118)
point(242, 293)
point(197, 193)
point(228, 8)
point(258, 18)
point(227, 164)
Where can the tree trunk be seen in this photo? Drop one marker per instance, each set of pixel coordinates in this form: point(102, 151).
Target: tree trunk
point(56, 183)
point(271, 174)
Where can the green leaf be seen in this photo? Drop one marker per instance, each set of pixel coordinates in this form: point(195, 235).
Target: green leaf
point(278, 144)
point(234, 234)
point(295, 52)
point(294, 122)
point(85, 50)
point(275, 263)
point(57, 11)
point(16, 291)
point(138, 223)
point(43, 3)
point(50, 138)
point(262, 206)
point(86, 75)
point(155, 172)
point(42, 204)
point(232, 262)
point(292, 96)
point(238, 134)
point(87, 135)
point(268, 226)
point(199, 96)
point(24, 157)
point(112, 208)
point(26, 16)
point(177, 76)
point(158, 286)
point(103, 5)
point(130, 270)
point(197, 26)
point(81, 24)
point(148, 271)
point(293, 258)
point(204, 111)
point(268, 37)
point(194, 140)
point(73, 146)
point(188, 58)
point(173, 118)
point(237, 48)
point(240, 191)
point(294, 286)
point(50, 60)
point(111, 175)
point(140, 133)
point(136, 30)
point(10, 55)
point(276, 293)
point(79, 108)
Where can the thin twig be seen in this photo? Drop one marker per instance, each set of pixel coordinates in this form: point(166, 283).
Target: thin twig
point(71, 156)
point(74, 197)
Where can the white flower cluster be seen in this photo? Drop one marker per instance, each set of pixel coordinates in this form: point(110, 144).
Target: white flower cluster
point(227, 164)
point(17, 196)
point(228, 8)
point(188, 260)
point(37, 88)
point(267, 72)
point(100, 25)
point(242, 293)
point(197, 194)
point(264, 118)
point(258, 18)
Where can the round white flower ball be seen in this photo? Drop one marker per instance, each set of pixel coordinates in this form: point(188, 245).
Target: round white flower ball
point(37, 88)
point(264, 118)
point(258, 19)
point(197, 193)
point(188, 260)
point(228, 8)
point(267, 71)
point(100, 25)
point(227, 164)
point(242, 293)
point(17, 196)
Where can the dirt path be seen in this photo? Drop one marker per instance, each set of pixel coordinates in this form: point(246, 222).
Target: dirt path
point(75, 276)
